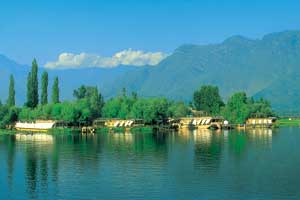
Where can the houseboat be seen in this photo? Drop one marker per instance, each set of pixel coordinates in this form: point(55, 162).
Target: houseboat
point(110, 123)
point(260, 122)
point(36, 126)
point(200, 122)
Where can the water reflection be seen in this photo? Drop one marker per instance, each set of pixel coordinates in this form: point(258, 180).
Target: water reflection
point(262, 137)
point(36, 148)
point(208, 149)
point(10, 161)
point(41, 138)
point(240, 141)
point(52, 165)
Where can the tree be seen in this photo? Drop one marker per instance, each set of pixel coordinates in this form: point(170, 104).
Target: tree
point(237, 109)
point(80, 93)
point(55, 91)
point(29, 91)
point(134, 96)
point(11, 94)
point(124, 92)
point(34, 82)
point(93, 98)
point(208, 99)
point(96, 102)
point(178, 109)
point(260, 108)
point(44, 96)
point(32, 86)
point(111, 108)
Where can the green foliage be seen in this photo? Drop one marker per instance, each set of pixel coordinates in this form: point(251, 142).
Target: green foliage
point(261, 108)
point(34, 81)
point(208, 99)
point(92, 97)
point(11, 94)
point(55, 91)
point(80, 93)
point(151, 110)
point(82, 111)
point(29, 101)
point(239, 107)
point(44, 96)
point(178, 109)
point(8, 115)
point(288, 122)
point(113, 108)
point(32, 86)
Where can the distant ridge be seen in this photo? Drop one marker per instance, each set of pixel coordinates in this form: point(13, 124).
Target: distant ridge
point(267, 67)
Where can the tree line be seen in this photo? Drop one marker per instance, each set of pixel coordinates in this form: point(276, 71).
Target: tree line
point(238, 108)
point(89, 104)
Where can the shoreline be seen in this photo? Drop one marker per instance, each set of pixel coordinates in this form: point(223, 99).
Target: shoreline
point(148, 129)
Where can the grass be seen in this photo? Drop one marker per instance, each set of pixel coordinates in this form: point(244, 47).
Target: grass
point(288, 122)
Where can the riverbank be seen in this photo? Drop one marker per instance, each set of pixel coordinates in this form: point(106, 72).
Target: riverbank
point(285, 122)
point(288, 122)
point(145, 129)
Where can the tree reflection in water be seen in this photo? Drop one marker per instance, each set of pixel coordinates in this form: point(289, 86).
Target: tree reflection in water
point(208, 149)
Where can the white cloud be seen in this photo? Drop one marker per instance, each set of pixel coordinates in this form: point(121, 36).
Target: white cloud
point(126, 57)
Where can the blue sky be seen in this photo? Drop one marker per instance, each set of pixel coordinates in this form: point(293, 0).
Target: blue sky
point(45, 29)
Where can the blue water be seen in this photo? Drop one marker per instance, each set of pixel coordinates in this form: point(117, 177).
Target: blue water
point(258, 164)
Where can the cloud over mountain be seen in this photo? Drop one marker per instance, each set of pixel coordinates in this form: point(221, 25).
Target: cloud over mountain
point(125, 57)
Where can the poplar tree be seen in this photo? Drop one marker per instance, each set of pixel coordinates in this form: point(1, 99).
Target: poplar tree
point(35, 87)
point(29, 91)
point(55, 91)
point(11, 93)
point(44, 96)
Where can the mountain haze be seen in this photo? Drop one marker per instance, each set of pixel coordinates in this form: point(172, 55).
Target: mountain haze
point(267, 67)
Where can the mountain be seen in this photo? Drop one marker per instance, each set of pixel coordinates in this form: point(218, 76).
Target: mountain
point(264, 67)
point(8, 67)
point(267, 67)
point(284, 94)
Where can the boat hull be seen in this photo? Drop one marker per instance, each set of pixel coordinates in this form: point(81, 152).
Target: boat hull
point(32, 129)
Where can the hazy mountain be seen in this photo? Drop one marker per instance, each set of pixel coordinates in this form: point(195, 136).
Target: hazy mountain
point(267, 67)
point(259, 67)
point(8, 67)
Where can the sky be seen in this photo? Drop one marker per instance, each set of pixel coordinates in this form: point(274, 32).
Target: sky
point(140, 31)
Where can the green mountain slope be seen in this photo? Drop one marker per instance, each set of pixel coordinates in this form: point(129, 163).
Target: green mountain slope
point(267, 67)
point(284, 94)
point(236, 64)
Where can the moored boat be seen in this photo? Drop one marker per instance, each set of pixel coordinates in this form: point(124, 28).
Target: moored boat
point(36, 126)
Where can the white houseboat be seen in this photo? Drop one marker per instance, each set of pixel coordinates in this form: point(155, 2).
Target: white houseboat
point(38, 126)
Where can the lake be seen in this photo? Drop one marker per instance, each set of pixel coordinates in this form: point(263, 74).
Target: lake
point(199, 164)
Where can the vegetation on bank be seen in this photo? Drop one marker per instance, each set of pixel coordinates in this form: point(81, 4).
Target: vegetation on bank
point(288, 122)
point(238, 108)
point(88, 104)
